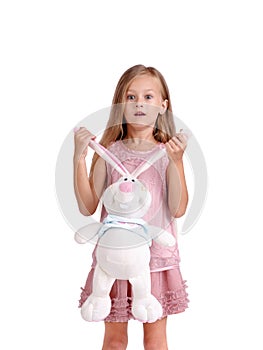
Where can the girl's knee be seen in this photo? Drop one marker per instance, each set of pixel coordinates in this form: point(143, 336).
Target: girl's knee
point(115, 343)
point(115, 337)
point(155, 341)
point(153, 344)
point(155, 335)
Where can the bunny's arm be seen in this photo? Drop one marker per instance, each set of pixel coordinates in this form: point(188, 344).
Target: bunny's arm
point(88, 233)
point(161, 236)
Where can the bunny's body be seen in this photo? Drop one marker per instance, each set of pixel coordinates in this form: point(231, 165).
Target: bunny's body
point(123, 241)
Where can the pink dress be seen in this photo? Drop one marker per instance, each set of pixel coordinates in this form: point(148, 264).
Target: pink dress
point(167, 283)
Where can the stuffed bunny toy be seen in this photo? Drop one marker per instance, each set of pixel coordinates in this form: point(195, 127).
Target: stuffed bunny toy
point(123, 241)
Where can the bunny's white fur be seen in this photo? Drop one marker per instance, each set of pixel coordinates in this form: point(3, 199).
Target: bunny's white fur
point(122, 252)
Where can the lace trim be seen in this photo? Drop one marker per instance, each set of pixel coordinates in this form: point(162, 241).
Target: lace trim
point(162, 263)
point(120, 310)
point(135, 151)
point(174, 302)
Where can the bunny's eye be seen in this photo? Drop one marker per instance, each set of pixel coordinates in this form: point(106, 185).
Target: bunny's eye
point(133, 180)
point(125, 179)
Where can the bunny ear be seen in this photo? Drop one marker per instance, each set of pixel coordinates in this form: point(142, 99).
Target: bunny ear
point(108, 157)
point(146, 165)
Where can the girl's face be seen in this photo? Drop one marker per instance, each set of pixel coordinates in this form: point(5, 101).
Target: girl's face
point(143, 101)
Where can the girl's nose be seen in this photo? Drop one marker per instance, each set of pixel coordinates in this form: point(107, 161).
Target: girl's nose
point(139, 103)
point(126, 187)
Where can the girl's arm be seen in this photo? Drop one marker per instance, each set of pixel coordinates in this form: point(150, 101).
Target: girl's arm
point(176, 183)
point(87, 190)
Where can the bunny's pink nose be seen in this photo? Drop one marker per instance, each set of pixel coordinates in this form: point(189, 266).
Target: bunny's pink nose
point(126, 187)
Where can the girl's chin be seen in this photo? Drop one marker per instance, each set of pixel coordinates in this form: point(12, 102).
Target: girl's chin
point(140, 126)
point(141, 121)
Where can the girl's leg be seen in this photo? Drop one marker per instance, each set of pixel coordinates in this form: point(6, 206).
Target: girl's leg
point(155, 335)
point(116, 336)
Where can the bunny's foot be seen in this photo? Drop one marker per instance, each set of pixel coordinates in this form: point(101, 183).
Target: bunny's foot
point(147, 309)
point(96, 308)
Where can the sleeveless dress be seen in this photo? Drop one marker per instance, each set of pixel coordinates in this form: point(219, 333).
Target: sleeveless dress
point(166, 279)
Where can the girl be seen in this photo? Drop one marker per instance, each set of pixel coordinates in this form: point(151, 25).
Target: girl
point(140, 121)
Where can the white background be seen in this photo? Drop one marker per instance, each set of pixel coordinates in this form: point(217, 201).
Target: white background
point(60, 61)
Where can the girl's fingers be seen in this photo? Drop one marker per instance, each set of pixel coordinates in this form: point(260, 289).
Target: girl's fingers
point(182, 138)
point(172, 147)
point(175, 147)
point(79, 129)
point(82, 137)
point(83, 133)
point(176, 142)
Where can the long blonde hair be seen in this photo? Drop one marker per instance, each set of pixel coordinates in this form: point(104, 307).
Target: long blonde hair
point(116, 128)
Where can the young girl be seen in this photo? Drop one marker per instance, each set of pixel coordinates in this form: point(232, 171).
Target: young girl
point(140, 121)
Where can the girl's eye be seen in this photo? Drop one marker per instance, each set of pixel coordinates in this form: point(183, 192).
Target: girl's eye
point(130, 97)
point(148, 97)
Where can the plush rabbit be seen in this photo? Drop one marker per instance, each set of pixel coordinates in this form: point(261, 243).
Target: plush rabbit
point(123, 241)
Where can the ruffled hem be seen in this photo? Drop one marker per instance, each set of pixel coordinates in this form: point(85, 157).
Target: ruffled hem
point(173, 302)
point(120, 310)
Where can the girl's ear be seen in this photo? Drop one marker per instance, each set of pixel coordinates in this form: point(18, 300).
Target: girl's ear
point(164, 107)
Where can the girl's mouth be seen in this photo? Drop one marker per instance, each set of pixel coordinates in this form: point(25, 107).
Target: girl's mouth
point(139, 114)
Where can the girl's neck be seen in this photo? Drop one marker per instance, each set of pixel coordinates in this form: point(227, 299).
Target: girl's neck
point(140, 140)
point(145, 134)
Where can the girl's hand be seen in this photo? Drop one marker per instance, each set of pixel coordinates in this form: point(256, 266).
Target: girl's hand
point(82, 138)
point(176, 146)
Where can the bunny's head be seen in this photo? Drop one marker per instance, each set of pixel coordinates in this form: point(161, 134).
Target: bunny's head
point(128, 197)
